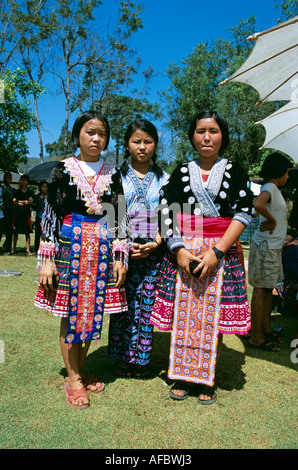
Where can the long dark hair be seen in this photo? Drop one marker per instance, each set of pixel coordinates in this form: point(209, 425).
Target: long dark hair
point(146, 126)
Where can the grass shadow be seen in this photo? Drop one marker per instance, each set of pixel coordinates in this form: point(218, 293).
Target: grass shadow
point(284, 356)
point(229, 373)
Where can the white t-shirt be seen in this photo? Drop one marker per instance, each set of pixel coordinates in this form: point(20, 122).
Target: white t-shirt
point(277, 207)
point(90, 168)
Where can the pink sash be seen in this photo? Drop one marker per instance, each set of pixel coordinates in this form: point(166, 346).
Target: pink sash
point(198, 304)
point(194, 226)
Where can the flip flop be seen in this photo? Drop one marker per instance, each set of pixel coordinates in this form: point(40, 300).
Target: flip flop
point(178, 386)
point(140, 371)
point(274, 336)
point(208, 402)
point(210, 391)
point(265, 346)
point(72, 395)
point(123, 370)
point(89, 380)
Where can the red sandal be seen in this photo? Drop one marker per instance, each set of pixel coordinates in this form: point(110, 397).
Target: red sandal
point(72, 395)
point(90, 381)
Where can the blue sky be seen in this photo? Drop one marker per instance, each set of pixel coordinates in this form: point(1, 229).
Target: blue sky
point(171, 30)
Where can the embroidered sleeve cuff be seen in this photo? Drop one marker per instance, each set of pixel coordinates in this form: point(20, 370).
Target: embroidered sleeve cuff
point(122, 246)
point(173, 243)
point(245, 219)
point(46, 250)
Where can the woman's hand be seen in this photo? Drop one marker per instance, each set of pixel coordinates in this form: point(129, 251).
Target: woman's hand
point(119, 272)
point(48, 276)
point(184, 257)
point(207, 261)
point(140, 251)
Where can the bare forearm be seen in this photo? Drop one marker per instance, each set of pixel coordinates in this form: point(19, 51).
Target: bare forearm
point(231, 235)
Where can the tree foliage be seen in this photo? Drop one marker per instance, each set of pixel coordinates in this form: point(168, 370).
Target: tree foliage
point(69, 43)
point(16, 119)
point(195, 86)
point(289, 9)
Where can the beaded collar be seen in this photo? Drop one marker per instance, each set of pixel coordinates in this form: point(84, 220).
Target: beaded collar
point(141, 186)
point(206, 195)
point(89, 191)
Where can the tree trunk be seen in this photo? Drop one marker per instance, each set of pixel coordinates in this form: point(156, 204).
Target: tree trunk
point(38, 126)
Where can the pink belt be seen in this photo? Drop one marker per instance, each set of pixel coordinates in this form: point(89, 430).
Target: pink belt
point(194, 226)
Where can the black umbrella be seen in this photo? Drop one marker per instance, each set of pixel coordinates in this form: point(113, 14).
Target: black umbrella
point(42, 171)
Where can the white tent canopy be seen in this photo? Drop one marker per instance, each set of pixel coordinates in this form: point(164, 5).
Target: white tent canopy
point(282, 130)
point(272, 67)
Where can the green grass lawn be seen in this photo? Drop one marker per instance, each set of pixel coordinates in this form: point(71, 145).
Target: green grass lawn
point(257, 391)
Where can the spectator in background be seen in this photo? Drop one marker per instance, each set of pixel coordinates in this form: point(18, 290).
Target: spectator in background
point(265, 255)
point(289, 292)
point(23, 200)
point(4, 203)
point(39, 203)
point(8, 211)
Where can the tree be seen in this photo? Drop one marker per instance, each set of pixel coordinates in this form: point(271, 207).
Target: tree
point(289, 9)
point(56, 150)
point(15, 118)
point(92, 66)
point(67, 42)
point(35, 51)
point(16, 21)
point(195, 86)
point(23, 40)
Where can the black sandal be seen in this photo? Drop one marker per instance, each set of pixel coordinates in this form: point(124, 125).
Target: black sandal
point(265, 346)
point(123, 370)
point(181, 387)
point(140, 372)
point(210, 392)
point(274, 336)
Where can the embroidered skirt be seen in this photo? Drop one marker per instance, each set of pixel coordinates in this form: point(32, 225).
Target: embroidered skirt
point(130, 333)
point(85, 280)
point(163, 310)
point(201, 309)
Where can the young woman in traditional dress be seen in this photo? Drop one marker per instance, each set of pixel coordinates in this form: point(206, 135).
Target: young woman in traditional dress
point(214, 206)
point(73, 256)
point(130, 333)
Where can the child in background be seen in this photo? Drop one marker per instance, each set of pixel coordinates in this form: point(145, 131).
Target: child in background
point(8, 212)
point(265, 254)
